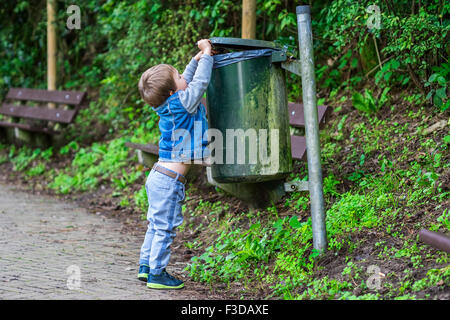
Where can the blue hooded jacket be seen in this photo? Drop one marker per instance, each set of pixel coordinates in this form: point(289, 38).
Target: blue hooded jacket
point(183, 122)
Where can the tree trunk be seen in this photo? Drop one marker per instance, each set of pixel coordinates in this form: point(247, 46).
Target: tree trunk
point(248, 19)
point(51, 47)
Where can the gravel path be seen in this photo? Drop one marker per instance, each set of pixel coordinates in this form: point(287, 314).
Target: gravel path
point(51, 249)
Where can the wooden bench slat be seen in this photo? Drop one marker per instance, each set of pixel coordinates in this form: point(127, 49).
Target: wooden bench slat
point(296, 119)
point(39, 113)
point(150, 148)
point(27, 127)
point(296, 116)
point(62, 97)
point(298, 147)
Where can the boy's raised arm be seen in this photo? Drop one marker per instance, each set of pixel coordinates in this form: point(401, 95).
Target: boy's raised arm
point(189, 72)
point(190, 97)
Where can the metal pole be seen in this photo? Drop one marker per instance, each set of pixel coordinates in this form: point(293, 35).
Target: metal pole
point(311, 128)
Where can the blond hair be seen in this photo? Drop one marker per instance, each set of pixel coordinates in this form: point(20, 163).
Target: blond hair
point(156, 83)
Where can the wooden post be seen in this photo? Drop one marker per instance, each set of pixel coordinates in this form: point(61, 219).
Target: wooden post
point(249, 19)
point(51, 47)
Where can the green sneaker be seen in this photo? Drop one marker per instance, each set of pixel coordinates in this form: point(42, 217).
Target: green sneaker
point(143, 272)
point(164, 281)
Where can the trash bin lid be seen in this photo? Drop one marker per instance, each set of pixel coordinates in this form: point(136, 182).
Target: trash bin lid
point(243, 44)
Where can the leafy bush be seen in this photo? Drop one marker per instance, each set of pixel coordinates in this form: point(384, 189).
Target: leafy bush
point(23, 157)
point(438, 86)
point(101, 161)
point(408, 45)
point(367, 102)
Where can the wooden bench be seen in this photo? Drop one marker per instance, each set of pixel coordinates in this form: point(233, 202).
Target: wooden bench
point(297, 120)
point(36, 116)
point(147, 153)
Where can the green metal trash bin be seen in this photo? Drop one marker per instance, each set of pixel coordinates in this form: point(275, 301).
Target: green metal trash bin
point(248, 113)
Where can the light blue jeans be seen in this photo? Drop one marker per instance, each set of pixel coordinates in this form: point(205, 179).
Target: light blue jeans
point(165, 196)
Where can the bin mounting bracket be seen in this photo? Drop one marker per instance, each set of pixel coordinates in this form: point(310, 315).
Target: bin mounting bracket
point(293, 66)
point(292, 186)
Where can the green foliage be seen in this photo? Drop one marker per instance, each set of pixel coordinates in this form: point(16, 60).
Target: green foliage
point(141, 201)
point(433, 277)
point(237, 252)
point(329, 185)
point(410, 43)
point(287, 241)
point(101, 161)
point(71, 146)
point(37, 170)
point(443, 221)
point(364, 103)
point(368, 103)
point(438, 86)
point(389, 74)
point(416, 38)
point(24, 157)
point(217, 14)
point(126, 179)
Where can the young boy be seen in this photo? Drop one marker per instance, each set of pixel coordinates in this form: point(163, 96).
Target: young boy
point(176, 98)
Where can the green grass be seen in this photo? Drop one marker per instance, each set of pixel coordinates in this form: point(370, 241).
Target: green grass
point(94, 164)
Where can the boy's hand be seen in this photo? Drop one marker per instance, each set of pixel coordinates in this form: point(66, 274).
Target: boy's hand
point(198, 56)
point(205, 46)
